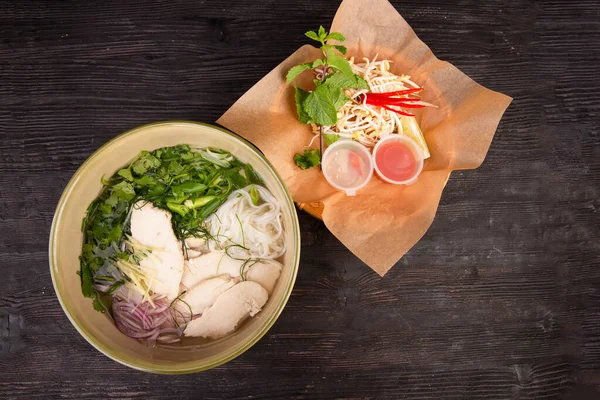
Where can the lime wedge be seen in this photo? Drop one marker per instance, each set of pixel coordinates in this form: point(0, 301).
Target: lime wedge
point(411, 129)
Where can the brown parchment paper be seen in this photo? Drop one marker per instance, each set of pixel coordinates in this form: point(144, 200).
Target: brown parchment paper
point(383, 221)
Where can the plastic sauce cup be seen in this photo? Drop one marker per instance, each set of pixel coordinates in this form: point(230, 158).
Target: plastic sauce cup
point(398, 160)
point(347, 165)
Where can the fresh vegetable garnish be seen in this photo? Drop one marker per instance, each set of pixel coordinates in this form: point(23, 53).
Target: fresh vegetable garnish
point(389, 100)
point(333, 75)
point(310, 158)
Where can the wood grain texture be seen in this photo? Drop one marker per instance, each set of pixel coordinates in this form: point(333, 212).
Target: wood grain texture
point(499, 300)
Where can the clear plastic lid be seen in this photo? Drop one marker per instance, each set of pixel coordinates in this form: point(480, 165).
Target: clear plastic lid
point(398, 159)
point(347, 165)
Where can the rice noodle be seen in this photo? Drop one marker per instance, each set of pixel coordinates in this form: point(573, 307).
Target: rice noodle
point(244, 230)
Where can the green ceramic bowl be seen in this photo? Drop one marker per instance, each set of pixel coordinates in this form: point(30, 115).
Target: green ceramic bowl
point(66, 239)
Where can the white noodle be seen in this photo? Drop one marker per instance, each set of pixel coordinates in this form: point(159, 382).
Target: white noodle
point(244, 230)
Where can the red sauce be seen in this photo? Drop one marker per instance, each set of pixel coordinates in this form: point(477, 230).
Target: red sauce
point(396, 161)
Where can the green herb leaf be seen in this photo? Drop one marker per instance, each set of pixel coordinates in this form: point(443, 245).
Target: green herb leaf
point(338, 97)
point(145, 180)
point(343, 81)
point(145, 162)
point(123, 190)
point(98, 306)
point(87, 279)
point(254, 195)
point(174, 168)
point(331, 138)
point(318, 62)
point(312, 35)
point(340, 48)
point(125, 173)
point(319, 106)
point(301, 96)
point(252, 176)
point(112, 200)
point(339, 63)
point(297, 70)
point(115, 233)
point(335, 36)
point(309, 159)
point(322, 33)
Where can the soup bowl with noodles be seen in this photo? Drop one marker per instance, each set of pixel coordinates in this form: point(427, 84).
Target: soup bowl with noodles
point(79, 286)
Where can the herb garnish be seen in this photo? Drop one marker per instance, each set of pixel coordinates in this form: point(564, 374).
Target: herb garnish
point(310, 158)
point(322, 104)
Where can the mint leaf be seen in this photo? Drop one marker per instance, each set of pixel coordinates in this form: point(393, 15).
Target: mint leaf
point(319, 106)
point(301, 95)
point(343, 81)
point(331, 138)
point(125, 173)
point(312, 35)
point(309, 159)
point(297, 70)
point(322, 33)
point(318, 62)
point(341, 49)
point(327, 47)
point(335, 36)
point(360, 83)
point(338, 98)
point(339, 63)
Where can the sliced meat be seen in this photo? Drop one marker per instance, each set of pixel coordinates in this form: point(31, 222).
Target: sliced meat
point(202, 295)
point(192, 254)
point(198, 244)
point(264, 272)
point(151, 226)
point(234, 305)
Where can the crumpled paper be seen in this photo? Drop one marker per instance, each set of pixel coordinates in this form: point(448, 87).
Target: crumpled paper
point(383, 221)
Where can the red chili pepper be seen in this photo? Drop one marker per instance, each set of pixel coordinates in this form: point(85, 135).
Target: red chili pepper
point(395, 102)
point(394, 99)
point(396, 111)
point(397, 93)
point(406, 105)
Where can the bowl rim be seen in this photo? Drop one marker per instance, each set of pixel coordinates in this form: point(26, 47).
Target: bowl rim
point(132, 363)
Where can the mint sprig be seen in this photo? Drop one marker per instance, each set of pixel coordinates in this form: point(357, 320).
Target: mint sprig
point(322, 104)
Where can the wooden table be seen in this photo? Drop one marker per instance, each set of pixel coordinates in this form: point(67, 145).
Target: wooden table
point(500, 299)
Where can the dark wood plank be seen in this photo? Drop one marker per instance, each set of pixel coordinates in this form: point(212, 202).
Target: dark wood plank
point(499, 300)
